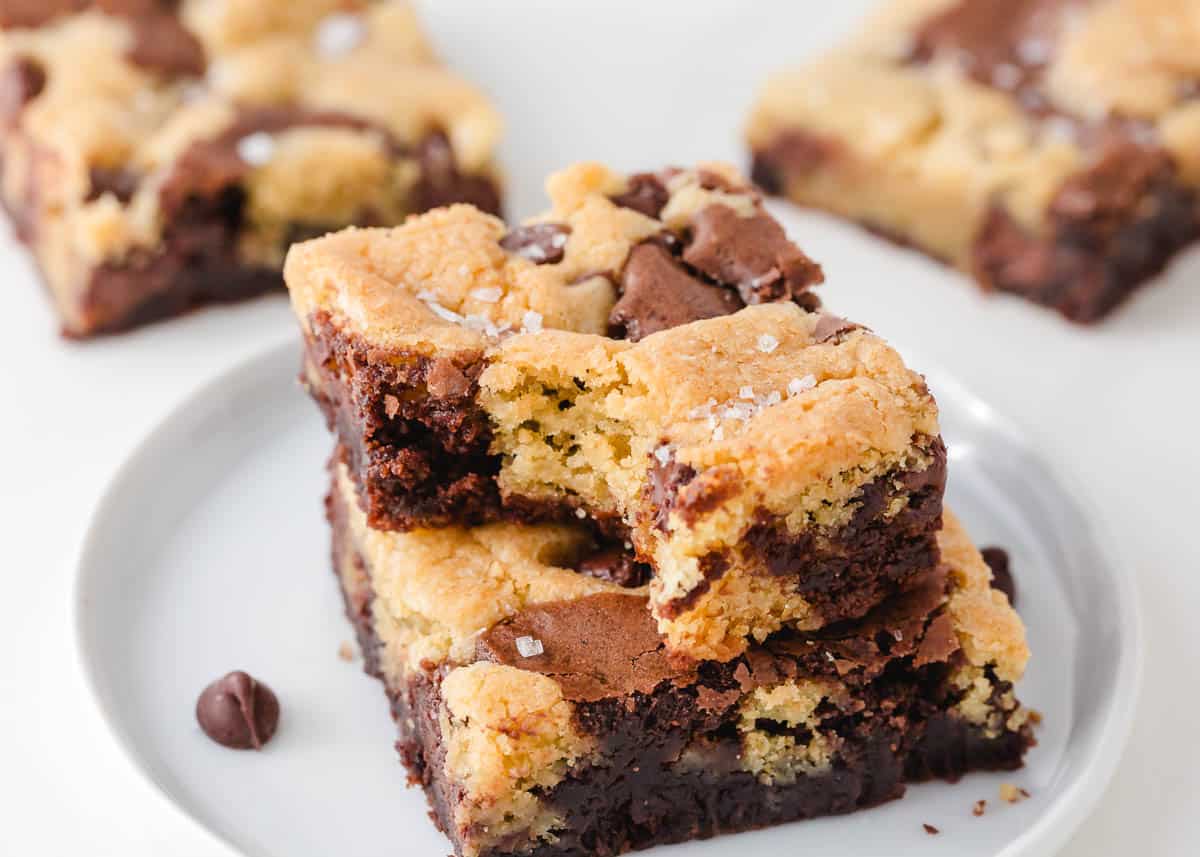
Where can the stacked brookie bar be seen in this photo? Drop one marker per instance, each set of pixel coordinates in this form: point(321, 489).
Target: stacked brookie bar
point(161, 154)
point(1049, 147)
point(643, 546)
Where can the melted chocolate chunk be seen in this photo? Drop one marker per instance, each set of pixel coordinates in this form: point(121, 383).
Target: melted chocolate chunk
point(712, 180)
point(443, 183)
point(616, 564)
point(161, 43)
point(208, 167)
point(792, 153)
point(751, 254)
point(1006, 44)
point(540, 243)
point(239, 712)
point(1002, 578)
point(665, 480)
point(657, 293)
point(646, 194)
point(595, 647)
point(22, 81)
point(20, 14)
point(118, 181)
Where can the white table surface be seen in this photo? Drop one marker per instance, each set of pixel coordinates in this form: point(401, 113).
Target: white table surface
point(639, 85)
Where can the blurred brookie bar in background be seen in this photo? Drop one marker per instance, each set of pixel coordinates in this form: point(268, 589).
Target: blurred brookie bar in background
point(162, 155)
point(1051, 148)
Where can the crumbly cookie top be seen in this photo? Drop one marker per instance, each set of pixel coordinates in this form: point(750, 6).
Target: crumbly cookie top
point(769, 390)
point(626, 255)
point(1001, 98)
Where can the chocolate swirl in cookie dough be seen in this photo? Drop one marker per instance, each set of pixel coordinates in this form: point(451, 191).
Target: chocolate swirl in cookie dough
point(536, 720)
point(1048, 147)
point(647, 360)
point(163, 155)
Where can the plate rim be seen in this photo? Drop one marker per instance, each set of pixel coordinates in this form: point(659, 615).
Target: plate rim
point(1049, 833)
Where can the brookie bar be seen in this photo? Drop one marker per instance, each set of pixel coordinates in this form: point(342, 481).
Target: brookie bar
point(1049, 147)
point(544, 716)
point(642, 358)
point(160, 155)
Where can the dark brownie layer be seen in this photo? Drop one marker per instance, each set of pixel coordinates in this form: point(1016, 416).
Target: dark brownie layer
point(669, 756)
point(842, 572)
point(1110, 228)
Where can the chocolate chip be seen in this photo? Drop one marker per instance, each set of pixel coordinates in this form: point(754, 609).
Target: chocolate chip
point(646, 194)
point(657, 293)
point(1000, 43)
point(19, 14)
point(118, 181)
point(1002, 579)
point(792, 153)
point(665, 480)
point(752, 254)
point(831, 326)
point(615, 564)
point(930, 829)
point(22, 81)
point(442, 183)
point(540, 243)
point(239, 712)
point(161, 43)
point(711, 180)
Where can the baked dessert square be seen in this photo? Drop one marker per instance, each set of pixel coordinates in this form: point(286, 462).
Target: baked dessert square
point(645, 359)
point(543, 714)
point(1050, 148)
point(161, 155)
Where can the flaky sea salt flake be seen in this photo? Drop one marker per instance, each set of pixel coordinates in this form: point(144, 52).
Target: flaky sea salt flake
point(256, 149)
point(339, 34)
point(489, 295)
point(796, 386)
point(529, 647)
point(531, 322)
point(443, 313)
point(767, 343)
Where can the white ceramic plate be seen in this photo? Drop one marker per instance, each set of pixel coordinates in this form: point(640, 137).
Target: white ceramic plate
point(210, 553)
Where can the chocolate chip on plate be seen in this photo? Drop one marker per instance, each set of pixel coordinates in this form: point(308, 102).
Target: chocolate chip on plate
point(238, 711)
